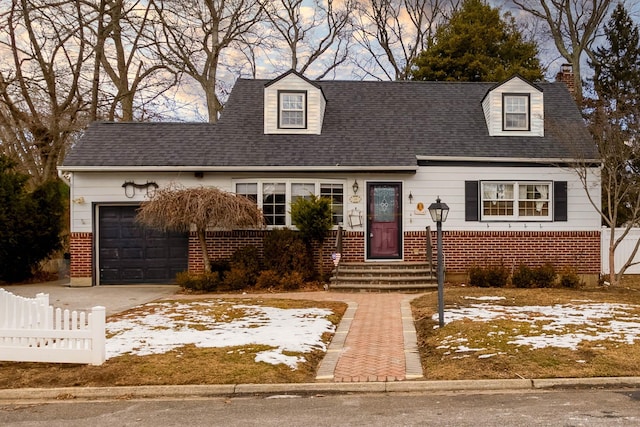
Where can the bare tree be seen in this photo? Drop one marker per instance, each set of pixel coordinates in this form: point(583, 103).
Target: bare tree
point(312, 31)
point(123, 47)
point(393, 32)
point(573, 25)
point(42, 101)
point(195, 33)
point(181, 209)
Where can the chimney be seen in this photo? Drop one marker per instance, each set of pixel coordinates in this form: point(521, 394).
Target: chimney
point(565, 75)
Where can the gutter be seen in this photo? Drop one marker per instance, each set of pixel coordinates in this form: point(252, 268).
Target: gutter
point(190, 168)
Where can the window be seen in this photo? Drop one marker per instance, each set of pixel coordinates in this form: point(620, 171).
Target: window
point(275, 197)
point(516, 112)
point(292, 110)
point(274, 203)
point(334, 192)
point(512, 200)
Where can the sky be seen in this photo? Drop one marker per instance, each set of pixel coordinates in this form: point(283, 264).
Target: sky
point(161, 327)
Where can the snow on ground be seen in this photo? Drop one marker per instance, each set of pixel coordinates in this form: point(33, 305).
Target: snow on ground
point(560, 325)
point(169, 325)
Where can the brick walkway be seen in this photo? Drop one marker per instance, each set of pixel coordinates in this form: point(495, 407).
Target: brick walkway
point(376, 340)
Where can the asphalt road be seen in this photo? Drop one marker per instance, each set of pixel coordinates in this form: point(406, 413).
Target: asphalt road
point(531, 408)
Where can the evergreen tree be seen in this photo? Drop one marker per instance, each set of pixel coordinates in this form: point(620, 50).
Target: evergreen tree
point(613, 122)
point(478, 45)
point(30, 223)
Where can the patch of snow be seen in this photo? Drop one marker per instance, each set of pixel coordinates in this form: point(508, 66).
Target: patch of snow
point(169, 325)
point(486, 298)
point(559, 325)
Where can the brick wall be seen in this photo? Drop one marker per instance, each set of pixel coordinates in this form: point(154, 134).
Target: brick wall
point(81, 250)
point(573, 249)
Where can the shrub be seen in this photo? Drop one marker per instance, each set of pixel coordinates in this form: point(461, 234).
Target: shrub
point(198, 282)
point(236, 279)
point(540, 277)
point(248, 259)
point(522, 277)
point(491, 276)
point(30, 222)
point(292, 281)
point(285, 251)
point(544, 276)
point(570, 279)
point(268, 279)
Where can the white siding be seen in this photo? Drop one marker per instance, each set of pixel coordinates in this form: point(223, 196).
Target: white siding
point(104, 187)
point(427, 184)
point(448, 183)
point(315, 106)
point(492, 107)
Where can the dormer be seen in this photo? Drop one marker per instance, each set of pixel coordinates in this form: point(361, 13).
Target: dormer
point(514, 108)
point(293, 104)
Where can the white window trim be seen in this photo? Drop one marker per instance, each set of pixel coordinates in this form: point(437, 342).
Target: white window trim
point(281, 109)
point(516, 198)
point(527, 99)
point(288, 193)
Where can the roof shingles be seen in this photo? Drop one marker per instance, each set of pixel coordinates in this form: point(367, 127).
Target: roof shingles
point(366, 124)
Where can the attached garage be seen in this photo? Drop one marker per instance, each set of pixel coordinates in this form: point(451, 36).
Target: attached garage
point(129, 253)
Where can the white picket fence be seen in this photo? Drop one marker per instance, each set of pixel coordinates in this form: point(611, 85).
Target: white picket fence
point(32, 331)
point(623, 252)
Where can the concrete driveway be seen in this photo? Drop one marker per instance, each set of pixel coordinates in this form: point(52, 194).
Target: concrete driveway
point(115, 298)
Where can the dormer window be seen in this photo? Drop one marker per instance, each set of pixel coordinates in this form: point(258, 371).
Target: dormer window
point(292, 111)
point(516, 111)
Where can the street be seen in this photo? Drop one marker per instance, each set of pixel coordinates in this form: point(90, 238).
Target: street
point(517, 408)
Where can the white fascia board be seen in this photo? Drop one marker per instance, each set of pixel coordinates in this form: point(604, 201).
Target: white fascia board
point(237, 168)
point(507, 159)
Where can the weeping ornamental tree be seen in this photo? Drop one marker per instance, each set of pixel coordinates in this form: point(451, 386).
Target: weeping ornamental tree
point(200, 208)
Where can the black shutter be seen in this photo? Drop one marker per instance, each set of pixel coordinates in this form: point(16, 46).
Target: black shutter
point(471, 195)
point(560, 201)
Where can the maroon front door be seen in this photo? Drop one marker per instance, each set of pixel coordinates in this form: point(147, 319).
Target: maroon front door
point(384, 220)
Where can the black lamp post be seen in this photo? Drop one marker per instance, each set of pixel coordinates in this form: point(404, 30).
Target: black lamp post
point(439, 212)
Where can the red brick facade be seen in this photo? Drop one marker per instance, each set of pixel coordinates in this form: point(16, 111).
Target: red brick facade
point(462, 249)
point(81, 249)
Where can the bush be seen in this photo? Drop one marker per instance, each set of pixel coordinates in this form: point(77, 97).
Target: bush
point(268, 279)
point(544, 276)
point(236, 279)
point(540, 277)
point(491, 276)
point(248, 259)
point(30, 222)
point(292, 281)
point(522, 277)
point(285, 252)
point(570, 279)
point(198, 282)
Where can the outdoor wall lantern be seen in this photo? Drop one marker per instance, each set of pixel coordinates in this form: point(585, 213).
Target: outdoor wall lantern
point(355, 186)
point(410, 197)
point(439, 212)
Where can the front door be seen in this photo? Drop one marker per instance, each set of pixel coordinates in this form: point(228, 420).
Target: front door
point(384, 220)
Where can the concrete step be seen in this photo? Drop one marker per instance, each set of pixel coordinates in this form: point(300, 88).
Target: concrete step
point(387, 276)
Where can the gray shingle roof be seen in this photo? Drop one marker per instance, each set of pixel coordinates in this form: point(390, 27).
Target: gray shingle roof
point(366, 124)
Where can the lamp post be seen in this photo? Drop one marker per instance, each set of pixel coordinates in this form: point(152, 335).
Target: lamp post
point(439, 212)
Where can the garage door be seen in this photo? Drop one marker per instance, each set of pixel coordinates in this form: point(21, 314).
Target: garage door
point(130, 253)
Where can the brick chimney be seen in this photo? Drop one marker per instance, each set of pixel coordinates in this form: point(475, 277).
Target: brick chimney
point(565, 75)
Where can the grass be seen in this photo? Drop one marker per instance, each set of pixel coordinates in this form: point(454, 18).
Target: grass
point(497, 359)
point(185, 365)
point(491, 354)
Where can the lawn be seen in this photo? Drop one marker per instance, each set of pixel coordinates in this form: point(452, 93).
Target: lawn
point(203, 341)
point(530, 333)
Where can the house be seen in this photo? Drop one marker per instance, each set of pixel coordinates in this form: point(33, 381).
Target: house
point(499, 155)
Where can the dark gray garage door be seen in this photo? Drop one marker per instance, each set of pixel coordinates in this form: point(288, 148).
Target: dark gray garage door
point(130, 253)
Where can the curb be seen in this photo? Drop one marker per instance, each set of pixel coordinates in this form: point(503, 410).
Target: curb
point(208, 391)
